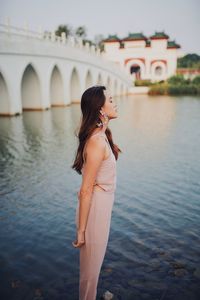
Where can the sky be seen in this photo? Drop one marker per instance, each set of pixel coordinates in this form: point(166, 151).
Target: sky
point(180, 19)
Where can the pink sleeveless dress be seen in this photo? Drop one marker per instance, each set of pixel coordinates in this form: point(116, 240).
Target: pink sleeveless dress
point(98, 227)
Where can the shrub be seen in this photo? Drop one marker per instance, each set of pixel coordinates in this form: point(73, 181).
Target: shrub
point(183, 89)
point(196, 80)
point(176, 79)
point(198, 89)
point(142, 82)
point(176, 85)
point(158, 89)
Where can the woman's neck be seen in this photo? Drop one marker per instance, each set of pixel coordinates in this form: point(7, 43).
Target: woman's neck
point(103, 129)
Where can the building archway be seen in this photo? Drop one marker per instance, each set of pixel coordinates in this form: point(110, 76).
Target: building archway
point(56, 87)
point(30, 89)
point(75, 88)
point(136, 67)
point(158, 71)
point(4, 97)
point(136, 70)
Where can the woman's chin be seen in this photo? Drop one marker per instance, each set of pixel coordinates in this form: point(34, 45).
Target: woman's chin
point(115, 116)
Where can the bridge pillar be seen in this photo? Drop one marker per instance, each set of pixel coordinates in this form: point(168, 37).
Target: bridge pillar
point(10, 98)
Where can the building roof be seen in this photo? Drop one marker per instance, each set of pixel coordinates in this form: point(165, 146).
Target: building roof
point(135, 37)
point(159, 35)
point(140, 36)
point(111, 39)
point(172, 44)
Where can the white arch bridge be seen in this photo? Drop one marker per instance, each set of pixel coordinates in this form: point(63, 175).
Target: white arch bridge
point(40, 70)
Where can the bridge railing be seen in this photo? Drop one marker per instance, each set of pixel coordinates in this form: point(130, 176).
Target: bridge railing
point(10, 31)
point(49, 36)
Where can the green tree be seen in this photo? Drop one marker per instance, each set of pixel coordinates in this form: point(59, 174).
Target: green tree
point(88, 41)
point(63, 28)
point(81, 32)
point(176, 79)
point(189, 61)
point(196, 80)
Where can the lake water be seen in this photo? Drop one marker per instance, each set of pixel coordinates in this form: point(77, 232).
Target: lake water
point(153, 250)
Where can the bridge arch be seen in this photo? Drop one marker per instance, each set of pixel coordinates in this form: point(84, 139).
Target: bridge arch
point(109, 84)
point(4, 96)
point(115, 91)
point(121, 89)
point(88, 79)
point(99, 79)
point(56, 87)
point(30, 89)
point(75, 87)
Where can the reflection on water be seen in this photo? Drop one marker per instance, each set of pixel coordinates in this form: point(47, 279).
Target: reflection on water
point(154, 238)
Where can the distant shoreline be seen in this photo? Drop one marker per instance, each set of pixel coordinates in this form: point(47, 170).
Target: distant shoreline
point(175, 85)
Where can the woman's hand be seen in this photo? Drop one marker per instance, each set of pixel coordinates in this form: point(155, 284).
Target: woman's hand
point(80, 240)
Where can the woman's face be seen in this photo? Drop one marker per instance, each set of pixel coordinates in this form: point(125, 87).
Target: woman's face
point(109, 107)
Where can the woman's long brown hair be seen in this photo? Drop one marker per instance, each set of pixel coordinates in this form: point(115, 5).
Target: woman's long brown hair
point(91, 102)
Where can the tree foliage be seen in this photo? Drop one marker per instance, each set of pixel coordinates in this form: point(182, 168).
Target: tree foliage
point(63, 28)
point(81, 32)
point(189, 61)
point(176, 79)
point(176, 85)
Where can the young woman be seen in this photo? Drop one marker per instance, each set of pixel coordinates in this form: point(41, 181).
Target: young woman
point(96, 160)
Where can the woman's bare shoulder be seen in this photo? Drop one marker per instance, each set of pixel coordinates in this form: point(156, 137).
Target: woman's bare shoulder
point(96, 141)
point(96, 144)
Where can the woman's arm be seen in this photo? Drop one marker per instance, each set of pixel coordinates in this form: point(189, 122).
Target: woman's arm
point(94, 155)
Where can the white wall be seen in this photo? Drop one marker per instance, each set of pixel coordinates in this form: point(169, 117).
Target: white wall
point(136, 53)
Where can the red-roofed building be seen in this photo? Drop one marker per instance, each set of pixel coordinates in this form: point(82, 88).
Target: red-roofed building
point(153, 58)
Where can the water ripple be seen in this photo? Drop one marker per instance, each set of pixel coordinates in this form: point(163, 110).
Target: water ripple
point(153, 250)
